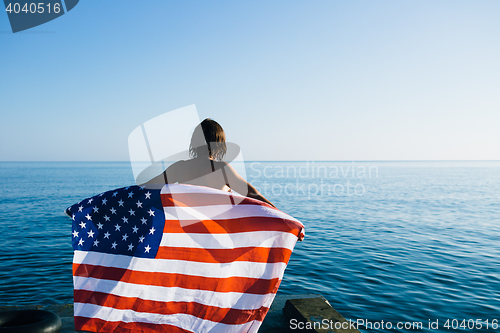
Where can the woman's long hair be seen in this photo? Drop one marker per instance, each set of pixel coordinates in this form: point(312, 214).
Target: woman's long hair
point(208, 134)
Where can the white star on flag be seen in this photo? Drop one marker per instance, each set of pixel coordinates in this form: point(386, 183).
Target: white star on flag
point(91, 234)
point(83, 225)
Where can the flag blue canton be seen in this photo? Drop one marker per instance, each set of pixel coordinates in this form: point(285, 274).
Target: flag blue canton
point(127, 221)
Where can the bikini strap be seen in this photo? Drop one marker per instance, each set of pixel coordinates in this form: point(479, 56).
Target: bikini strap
point(226, 181)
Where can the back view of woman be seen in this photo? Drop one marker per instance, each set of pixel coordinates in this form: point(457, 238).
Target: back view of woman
point(206, 168)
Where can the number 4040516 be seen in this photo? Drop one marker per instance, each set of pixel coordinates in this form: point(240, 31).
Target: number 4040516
point(33, 8)
point(471, 324)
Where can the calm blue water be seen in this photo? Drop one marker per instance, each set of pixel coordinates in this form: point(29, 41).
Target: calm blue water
point(391, 241)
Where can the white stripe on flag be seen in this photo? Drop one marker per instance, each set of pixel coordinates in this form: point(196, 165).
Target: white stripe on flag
point(267, 239)
point(219, 212)
point(258, 270)
point(185, 321)
point(184, 188)
point(240, 301)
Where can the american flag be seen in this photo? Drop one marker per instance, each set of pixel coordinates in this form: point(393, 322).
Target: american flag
point(181, 259)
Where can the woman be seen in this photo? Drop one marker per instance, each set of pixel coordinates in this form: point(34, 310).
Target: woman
point(206, 168)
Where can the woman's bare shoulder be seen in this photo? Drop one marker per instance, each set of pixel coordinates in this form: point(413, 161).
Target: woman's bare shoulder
point(223, 165)
point(178, 164)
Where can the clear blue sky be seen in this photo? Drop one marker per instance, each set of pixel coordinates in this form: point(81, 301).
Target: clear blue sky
point(288, 80)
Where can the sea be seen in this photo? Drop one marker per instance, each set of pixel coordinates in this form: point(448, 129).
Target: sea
point(397, 243)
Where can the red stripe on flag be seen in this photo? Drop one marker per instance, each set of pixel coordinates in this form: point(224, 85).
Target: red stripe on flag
point(206, 312)
point(228, 226)
point(253, 254)
point(231, 284)
point(99, 325)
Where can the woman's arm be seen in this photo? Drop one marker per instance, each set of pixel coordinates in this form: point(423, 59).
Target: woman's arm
point(253, 193)
point(240, 185)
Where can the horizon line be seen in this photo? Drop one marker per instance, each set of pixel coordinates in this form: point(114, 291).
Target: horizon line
point(103, 161)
